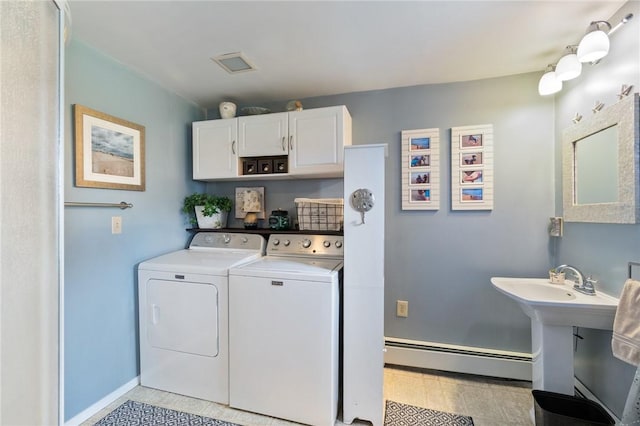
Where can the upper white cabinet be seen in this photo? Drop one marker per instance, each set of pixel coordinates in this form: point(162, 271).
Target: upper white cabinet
point(262, 135)
point(310, 142)
point(317, 138)
point(214, 149)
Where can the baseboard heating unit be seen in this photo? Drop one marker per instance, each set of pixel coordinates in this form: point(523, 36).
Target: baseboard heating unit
point(459, 359)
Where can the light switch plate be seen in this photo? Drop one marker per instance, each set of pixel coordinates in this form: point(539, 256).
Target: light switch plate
point(116, 225)
point(402, 308)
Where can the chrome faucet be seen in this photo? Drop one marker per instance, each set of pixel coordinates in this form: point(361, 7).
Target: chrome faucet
point(581, 284)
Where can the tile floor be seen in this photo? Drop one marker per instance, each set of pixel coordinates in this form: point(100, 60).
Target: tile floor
point(491, 402)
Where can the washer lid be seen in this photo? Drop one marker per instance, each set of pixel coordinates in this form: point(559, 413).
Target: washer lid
point(301, 268)
point(210, 261)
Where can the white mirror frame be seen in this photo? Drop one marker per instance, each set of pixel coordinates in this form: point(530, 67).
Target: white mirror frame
point(626, 210)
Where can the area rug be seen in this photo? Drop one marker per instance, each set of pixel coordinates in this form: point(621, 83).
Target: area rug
point(398, 414)
point(133, 413)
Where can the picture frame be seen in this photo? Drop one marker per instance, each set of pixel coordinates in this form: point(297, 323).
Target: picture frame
point(471, 195)
point(471, 141)
point(419, 143)
point(419, 178)
point(420, 160)
point(239, 201)
point(471, 158)
point(420, 195)
point(471, 177)
point(109, 151)
point(420, 169)
point(472, 167)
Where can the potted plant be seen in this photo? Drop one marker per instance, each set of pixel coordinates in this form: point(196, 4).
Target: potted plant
point(207, 211)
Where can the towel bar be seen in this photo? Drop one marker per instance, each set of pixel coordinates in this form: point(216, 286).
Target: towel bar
point(122, 205)
point(631, 265)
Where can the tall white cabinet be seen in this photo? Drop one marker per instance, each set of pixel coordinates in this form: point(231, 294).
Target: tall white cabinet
point(363, 301)
point(311, 140)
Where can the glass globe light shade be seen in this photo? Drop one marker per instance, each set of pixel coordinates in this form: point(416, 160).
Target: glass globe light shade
point(549, 84)
point(569, 67)
point(593, 46)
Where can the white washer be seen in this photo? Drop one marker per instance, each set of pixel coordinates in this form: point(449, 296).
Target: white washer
point(285, 335)
point(183, 299)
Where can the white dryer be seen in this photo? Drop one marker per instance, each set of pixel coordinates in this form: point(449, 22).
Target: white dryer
point(184, 329)
point(285, 335)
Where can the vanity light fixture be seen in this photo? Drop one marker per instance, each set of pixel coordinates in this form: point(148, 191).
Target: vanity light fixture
point(599, 105)
point(593, 47)
point(549, 82)
point(569, 67)
point(595, 44)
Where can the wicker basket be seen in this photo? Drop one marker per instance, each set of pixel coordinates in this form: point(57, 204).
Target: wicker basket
point(320, 214)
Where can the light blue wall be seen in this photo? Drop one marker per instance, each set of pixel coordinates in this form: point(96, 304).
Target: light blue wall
point(441, 262)
point(100, 305)
point(600, 249)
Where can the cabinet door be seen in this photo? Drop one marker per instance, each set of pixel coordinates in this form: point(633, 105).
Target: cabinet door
point(262, 135)
point(318, 137)
point(214, 149)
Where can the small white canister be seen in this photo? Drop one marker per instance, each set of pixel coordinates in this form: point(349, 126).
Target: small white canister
point(227, 109)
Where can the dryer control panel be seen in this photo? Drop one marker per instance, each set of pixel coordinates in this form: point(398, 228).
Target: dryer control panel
point(218, 240)
point(305, 245)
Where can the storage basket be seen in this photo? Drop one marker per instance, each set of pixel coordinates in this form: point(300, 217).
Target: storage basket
point(320, 214)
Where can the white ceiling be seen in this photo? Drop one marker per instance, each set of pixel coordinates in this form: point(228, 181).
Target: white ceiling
point(314, 48)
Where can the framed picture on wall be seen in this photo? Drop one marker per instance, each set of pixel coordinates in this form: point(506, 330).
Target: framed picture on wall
point(420, 169)
point(472, 167)
point(109, 151)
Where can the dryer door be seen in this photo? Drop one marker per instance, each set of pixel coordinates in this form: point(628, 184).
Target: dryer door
point(183, 317)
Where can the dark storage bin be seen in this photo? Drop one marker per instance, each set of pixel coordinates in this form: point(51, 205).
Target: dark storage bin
point(556, 409)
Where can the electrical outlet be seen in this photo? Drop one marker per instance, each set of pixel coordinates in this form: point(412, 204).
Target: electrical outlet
point(402, 308)
point(116, 224)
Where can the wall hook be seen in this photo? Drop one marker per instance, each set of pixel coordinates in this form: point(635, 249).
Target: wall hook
point(577, 118)
point(625, 90)
point(599, 105)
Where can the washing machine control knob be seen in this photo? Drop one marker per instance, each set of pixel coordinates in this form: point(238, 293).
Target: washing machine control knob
point(327, 244)
point(286, 243)
point(226, 238)
point(276, 242)
point(245, 240)
point(338, 244)
point(306, 243)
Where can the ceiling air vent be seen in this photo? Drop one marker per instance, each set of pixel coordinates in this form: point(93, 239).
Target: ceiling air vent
point(234, 63)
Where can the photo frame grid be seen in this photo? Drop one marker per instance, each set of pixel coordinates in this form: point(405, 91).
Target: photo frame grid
point(420, 169)
point(472, 167)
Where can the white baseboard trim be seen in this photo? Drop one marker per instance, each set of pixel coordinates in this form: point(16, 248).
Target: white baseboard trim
point(589, 395)
point(459, 359)
point(104, 402)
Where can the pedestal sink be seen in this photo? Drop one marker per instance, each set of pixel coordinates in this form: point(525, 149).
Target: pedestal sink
point(554, 310)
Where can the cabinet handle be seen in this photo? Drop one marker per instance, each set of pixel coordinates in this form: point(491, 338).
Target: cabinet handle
point(283, 143)
point(290, 142)
point(233, 147)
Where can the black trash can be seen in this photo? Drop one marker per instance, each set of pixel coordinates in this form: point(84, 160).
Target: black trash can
point(557, 409)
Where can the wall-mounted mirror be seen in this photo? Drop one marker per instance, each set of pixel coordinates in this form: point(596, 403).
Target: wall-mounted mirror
point(600, 173)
